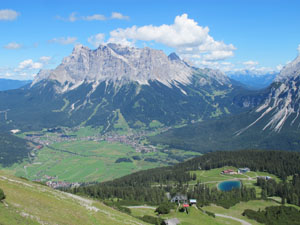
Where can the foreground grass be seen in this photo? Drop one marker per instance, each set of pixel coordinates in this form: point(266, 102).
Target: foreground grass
point(31, 203)
point(238, 209)
point(195, 216)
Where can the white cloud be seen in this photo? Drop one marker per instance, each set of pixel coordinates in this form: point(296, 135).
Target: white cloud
point(119, 16)
point(8, 14)
point(63, 40)
point(298, 49)
point(187, 38)
point(12, 45)
point(250, 63)
point(96, 40)
point(71, 18)
point(29, 64)
point(26, 69)
point(45, 59)
point(279, 67)
point(94, 17)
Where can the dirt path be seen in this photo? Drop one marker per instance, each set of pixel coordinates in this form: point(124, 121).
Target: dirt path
point(140, 207)
point(243, 222)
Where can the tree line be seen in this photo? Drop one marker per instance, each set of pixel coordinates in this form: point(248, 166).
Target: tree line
point(151, 186)
point(288, 191)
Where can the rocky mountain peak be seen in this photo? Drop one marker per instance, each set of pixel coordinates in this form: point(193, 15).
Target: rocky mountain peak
point(290, 70)
point(119, 64)
point(282, 106)
point(173, 56)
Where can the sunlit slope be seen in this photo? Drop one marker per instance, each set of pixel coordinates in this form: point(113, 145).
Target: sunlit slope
point(32, 203)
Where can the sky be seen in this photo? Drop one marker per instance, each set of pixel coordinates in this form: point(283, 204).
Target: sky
point(231, 35)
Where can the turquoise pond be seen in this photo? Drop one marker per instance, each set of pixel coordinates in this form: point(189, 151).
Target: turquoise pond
point(229, 185)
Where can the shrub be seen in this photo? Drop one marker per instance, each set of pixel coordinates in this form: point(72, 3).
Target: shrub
point(2, 195)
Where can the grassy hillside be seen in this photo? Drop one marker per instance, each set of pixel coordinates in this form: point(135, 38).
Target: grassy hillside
point(32, 203)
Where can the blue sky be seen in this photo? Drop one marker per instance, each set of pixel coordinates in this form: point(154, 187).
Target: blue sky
point(232, 35)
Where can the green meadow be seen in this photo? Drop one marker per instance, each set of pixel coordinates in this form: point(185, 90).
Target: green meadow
point(84, 161)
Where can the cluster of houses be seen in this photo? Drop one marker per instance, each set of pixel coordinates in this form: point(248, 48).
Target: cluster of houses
point(232, 172)
point(242, 171)
point(183, 199)
point(61, 184)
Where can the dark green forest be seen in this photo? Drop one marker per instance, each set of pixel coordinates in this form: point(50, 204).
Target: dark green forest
point(13, 149)
point(275, 215)
point(151, 186)
point(288, 191)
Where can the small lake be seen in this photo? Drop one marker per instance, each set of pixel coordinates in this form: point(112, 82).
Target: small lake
point(229, 185)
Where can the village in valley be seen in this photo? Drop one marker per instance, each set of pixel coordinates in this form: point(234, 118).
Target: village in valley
point(57, 135)
point(49, 137)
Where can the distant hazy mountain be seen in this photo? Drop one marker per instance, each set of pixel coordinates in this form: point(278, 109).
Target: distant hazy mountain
point(8, 84)
point(274, 124)
point(116, 87)
point(253, 80)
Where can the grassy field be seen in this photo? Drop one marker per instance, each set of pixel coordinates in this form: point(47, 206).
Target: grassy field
point(31, 203)
point(85, 161)
point(237, 210)
point(195, 216)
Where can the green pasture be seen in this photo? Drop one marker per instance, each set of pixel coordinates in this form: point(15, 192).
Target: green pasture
point(237, 210)
point(83, 161)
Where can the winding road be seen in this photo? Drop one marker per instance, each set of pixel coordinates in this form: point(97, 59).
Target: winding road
point(243, 222)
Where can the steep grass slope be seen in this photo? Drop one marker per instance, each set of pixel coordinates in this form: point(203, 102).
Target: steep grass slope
point(32, 203)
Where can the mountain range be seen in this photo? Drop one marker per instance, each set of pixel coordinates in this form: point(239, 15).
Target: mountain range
point(273, 124)
point(252, 79)
point(8, 84)
point(113, 84)
point(117, 88)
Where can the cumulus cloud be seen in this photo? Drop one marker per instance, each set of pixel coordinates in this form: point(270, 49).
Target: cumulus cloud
point(94, 17)
point(187, 38)
point(119, 16)
point(29, 64)
point(12, 45)
point(26, 69)
point(96, 40)
point(8, 14)
point(63, 40)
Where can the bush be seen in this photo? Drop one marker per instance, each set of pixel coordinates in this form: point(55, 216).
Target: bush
point(119, 160)
point(117, 206)
point(210, 214)
point(2, 195)
point(151, 219)
point(164, 208)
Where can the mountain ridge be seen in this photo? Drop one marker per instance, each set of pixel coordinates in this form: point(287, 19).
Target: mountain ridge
point(90, 86)
point(273, 124)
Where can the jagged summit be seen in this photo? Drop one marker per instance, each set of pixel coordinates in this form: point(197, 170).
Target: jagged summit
point(290, 70)
point(174, 56)
point(282, 107)
point(117, 63)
